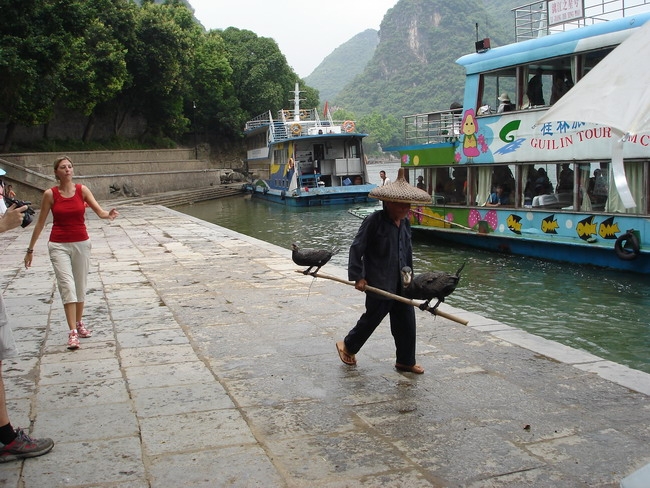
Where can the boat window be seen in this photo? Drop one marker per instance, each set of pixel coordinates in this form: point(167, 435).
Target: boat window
point(450, 185)
point(421, 178)
point(591, 59)
point(548, 81)
point(638, 179)
point(504, 176)
point(593, 186)
point(319, 152)
point(539, 85)
point(534, 85)
point(256, 141)
point(495, 85)
point(280, 156)
point(539, 187)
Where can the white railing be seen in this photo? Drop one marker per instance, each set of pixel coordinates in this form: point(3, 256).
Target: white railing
point(432, 127)
point(309, 123)
point(531, 20)
point(259, 121)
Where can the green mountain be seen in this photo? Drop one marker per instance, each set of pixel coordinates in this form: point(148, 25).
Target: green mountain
point(413, 68)
point(343, 64)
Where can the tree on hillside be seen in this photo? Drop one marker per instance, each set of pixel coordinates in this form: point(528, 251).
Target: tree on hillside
point(214, 103)
point(34, 53)
point(165, 39)
point(382, 130)
point(414, 67)
point(97, 69)
point(343, 64)
point(262, 78)
point(308, 96)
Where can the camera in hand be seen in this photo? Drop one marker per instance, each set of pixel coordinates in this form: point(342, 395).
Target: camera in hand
point(27, 214)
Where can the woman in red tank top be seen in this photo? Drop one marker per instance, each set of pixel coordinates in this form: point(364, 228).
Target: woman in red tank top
point(69, 245)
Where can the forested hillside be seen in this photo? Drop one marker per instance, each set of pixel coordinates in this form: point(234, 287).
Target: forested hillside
point(343, 64)
point(85, 71)
point(88, 71)
point(413, 68)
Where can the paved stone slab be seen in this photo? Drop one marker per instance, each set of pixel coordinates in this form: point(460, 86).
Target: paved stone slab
point(87, 424)
point(212, 363)
point(100, 463)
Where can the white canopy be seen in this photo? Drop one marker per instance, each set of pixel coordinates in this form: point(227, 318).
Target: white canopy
point(615, 93)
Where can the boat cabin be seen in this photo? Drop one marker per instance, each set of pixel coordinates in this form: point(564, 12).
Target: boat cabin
point(568, 188)
point(495, 140)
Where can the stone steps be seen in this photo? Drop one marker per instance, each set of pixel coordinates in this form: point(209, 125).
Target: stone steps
point(139, 172)
point(181, 197)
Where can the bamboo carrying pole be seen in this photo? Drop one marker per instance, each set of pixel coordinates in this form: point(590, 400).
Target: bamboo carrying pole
point(442, 220)
point(379, 291)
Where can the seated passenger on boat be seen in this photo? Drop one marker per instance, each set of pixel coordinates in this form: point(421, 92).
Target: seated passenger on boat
point(543, 184)
point(535, 91)
point(505, 105)
point(598, 188)
point(562, 83)
point(565, 180)
point(497, 198)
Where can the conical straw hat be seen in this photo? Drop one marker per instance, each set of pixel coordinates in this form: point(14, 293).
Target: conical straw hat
point(400, 191)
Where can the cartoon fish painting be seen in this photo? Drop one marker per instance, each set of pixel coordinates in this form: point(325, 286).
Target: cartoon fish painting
point(514, 223)
point(550, 225)
point(586, 228)
point(608, 229)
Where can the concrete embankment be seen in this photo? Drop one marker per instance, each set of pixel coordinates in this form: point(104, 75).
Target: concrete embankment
point(213, 363)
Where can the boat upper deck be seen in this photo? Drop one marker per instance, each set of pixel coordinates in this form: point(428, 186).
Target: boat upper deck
point(541, 18)
point(290, 124)
point(565, 43)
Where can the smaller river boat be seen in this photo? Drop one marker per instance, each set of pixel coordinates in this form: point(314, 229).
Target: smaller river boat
point(301, 159)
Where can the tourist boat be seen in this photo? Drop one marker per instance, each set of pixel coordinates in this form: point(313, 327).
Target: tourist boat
point(565, 195)
point(301, 159)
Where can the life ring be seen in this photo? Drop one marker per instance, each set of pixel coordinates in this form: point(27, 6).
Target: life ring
point(290, 162)
point(624, 241)
point(303, 114)
point(286, 114)
point(348, 126)
point(295, 129)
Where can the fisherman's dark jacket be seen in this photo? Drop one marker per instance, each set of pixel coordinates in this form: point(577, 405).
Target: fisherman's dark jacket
point(379, 251)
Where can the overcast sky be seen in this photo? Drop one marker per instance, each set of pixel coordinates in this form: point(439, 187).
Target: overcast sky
point(306, 31)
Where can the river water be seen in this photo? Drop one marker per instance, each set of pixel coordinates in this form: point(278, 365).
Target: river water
point(599, 311)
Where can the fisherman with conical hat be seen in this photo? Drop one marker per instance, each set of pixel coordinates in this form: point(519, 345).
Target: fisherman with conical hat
point(381, 248)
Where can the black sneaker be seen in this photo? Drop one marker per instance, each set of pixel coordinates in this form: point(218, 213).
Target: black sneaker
point(24, 446)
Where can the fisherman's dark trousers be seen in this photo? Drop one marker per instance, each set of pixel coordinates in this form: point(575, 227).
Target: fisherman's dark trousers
point(402, 326)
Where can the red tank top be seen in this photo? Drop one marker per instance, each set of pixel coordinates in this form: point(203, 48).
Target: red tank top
point(69, 217)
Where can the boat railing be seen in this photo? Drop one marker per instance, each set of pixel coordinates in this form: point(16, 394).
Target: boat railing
point(309, 117)
point(261, 120)
point(306, 122)
point(432, 127)
point(544, 17)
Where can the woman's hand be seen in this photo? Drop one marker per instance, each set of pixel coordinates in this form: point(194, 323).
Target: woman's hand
point(113, 214)
point(28, 258)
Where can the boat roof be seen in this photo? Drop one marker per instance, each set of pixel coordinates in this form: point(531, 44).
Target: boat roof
point(306, 137)
point(612, 32)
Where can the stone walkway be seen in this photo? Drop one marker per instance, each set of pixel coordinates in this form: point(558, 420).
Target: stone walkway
point(213, 363)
